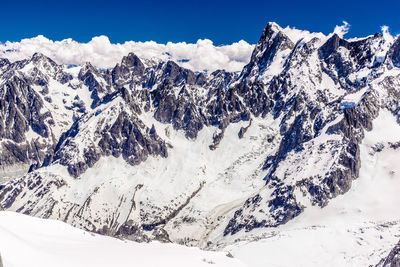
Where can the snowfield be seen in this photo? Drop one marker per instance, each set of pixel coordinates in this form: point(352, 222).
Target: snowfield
point(27, 241)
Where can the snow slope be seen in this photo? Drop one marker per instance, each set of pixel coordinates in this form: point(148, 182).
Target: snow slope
point(355, 229)
point(27, 241)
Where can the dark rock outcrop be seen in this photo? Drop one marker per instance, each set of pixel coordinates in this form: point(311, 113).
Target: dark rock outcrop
point(393, 259)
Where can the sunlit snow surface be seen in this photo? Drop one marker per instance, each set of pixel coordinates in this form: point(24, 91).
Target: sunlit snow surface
point(355, 229)
point(27, 241)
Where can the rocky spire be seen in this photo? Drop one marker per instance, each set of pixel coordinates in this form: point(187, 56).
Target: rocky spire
point(272, 40)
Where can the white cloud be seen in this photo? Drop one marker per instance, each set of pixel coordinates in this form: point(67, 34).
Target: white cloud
point(386, 33)
point(102, 53)
point(342, 29)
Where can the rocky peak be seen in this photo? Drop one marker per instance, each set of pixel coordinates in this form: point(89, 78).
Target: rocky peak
point(131, 60)
point(344, 58)
point(331, 46)
point(38, 57)
point(130, 67)
point(363, 51)
point(86, 69)
point(44, 68)
point(44, 63)
point(173, 72)
point(168, 72)
point(270, 30)
point(118, 132)
point(272, 41)
point(95, 82)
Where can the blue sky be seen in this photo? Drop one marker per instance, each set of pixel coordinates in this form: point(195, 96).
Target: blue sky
point(221, 21)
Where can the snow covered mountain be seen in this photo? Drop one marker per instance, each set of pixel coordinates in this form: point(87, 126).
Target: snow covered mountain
point(149, 150)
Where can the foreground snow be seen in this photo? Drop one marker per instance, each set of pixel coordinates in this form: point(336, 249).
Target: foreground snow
point(27, 241)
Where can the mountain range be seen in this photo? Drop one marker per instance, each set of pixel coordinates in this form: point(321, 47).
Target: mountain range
point(149, 150)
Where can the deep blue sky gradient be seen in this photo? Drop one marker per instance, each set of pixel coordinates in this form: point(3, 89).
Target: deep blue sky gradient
point(221, 21)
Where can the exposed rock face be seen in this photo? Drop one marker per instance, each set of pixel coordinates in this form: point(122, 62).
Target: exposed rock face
point(130, 68)
point(271, 42)
point(311, 114)
point(26, 121)
point(280, 136)
point(118, 132)
point(392, 260)
point(96, 82)
point(393, 55)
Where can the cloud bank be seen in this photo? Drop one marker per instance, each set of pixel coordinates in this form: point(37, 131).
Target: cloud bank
point(202, 55)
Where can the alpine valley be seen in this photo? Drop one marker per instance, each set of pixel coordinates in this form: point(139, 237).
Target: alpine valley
point(291, 162)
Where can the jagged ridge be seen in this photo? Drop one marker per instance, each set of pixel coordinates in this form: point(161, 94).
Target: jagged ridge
point(307, 100)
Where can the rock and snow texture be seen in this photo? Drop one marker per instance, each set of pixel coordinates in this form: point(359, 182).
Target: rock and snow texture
point(393, 259)
point(355, 229)
point(150, 150)
point(38, 104)
point(27, 241)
